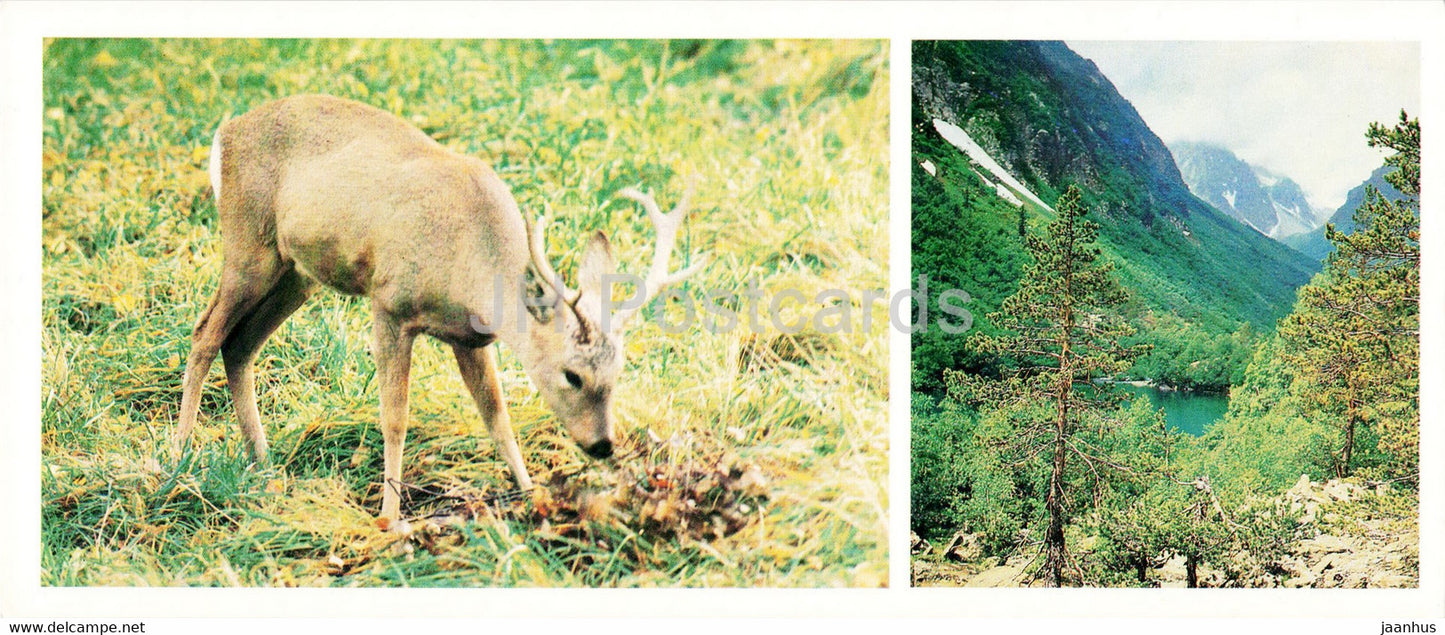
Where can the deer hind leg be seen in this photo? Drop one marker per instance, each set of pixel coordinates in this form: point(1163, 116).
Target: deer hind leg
point(239, 351)
point(391, 345)
point(239, 291)
point(479, 371)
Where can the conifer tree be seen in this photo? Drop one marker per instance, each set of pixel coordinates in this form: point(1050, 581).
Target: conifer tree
point(1355, 332)
point(1060, 330)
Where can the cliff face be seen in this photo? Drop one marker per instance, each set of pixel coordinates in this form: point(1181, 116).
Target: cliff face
point(1052, 118)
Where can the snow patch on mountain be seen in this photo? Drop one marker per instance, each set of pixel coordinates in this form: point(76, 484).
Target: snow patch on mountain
point(960, 139)
point(1291, 220)
point(1007, 195)
point(1266, 201)
point(986, 183)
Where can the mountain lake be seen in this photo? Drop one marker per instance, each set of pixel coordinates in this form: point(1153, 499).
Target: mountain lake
point(1190, 412)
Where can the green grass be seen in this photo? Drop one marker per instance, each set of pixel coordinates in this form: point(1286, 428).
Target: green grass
point(788, 141)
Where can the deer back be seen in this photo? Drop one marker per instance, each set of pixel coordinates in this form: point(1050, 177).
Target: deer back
point(364, 202)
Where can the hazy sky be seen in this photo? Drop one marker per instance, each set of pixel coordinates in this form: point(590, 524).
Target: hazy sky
point(1299, 109)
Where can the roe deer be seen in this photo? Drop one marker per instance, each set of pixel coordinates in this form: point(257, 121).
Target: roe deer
point(316, 189)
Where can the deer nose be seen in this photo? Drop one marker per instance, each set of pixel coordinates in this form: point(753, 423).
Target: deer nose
point(600, 450)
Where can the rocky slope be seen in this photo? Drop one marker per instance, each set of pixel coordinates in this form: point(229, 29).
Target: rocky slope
point(1350, 535)
point(1360, 537)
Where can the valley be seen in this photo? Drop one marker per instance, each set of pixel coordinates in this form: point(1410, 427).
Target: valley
point(1157, 390)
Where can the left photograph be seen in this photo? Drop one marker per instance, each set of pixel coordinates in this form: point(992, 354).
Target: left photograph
point(385, 313)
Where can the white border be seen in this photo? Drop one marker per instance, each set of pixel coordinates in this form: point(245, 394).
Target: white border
point(900, 353)
point(22, 25)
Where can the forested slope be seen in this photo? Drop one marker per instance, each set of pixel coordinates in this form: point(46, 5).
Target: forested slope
point(1029, 465)
point(1051, 119)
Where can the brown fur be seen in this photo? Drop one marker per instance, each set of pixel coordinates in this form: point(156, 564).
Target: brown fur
point(320, 191)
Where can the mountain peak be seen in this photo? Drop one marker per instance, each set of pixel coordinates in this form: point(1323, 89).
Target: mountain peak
point(1273, 204)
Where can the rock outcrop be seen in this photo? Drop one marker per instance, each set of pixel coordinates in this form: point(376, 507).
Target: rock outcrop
point(1350, 545)
point(1350, 535)
point(964, 547)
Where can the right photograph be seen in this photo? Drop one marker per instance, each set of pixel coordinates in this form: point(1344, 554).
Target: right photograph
point(1177, 298)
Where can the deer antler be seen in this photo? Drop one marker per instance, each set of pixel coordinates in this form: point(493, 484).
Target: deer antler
point(667, 226)
point(537, 245)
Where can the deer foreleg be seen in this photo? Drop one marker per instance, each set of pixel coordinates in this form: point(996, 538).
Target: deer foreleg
point(391, 346)
point(479, 371)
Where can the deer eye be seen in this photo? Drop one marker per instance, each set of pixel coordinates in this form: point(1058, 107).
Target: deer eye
point(573, 379)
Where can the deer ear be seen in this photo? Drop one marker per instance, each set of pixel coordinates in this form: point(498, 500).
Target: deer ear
point(597, 261)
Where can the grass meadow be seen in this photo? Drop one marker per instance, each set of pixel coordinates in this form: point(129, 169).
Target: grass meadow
point(753, 458)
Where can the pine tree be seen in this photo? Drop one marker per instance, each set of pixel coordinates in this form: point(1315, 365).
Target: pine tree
point(1059, 329)
point(1355, 332)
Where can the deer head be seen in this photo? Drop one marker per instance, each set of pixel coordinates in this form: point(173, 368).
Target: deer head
point(577, 355)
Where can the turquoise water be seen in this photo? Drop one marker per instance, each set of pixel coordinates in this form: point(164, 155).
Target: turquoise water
point(1190, 412)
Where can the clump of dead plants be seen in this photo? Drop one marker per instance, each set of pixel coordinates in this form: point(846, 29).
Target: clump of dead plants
point(661, 490)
